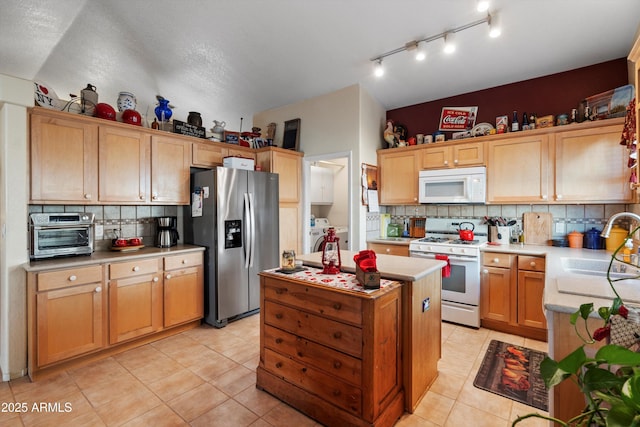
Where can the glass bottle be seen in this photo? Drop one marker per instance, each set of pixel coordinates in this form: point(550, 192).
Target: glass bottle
point(525, 121)
point(515, 126)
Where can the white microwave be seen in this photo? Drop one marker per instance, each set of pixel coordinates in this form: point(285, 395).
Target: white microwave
point(456, 185)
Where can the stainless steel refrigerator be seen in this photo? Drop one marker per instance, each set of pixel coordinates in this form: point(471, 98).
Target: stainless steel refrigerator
point(234, 213)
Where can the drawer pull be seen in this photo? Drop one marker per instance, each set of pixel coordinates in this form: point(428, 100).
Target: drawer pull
point(184, 261)
point(299, 354)
point(136, 268)
point(278, 340)
point(337, 364)
point(155, 279)
point(336, 392)
point(496, 260)
point(168, 276)
point(98, 289)
point(337, 306)
point(72, 278)
point(279, 365)
point(278, 315)
point(281, 291)
point(337, 335)
point(533, 264)
point(304, 370)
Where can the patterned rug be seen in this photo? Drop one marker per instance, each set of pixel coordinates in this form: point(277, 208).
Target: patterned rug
point(513, 372)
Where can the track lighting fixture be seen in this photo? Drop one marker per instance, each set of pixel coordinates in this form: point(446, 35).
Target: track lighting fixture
point(482, 5)
point(494, 26)
point(378, 69)
point(417, 47)
point(449, 43)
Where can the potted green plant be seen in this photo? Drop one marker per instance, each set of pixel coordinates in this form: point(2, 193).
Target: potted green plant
point(610, 380)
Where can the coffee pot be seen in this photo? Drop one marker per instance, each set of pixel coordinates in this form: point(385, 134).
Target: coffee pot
point(167, 232)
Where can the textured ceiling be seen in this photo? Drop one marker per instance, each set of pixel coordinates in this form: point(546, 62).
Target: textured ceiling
point(232, 58)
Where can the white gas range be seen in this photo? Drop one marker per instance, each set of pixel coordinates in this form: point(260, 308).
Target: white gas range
point(461, 287)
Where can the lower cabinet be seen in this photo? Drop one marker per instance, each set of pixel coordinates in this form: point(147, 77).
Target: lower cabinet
point(67, 301)
point(381, 248)
point(331, 354)
point(511, 294)
point(183, 288)
point(135, 299)
point(74, 313)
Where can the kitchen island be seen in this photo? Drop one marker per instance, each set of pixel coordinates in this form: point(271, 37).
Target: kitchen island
point(420, 327)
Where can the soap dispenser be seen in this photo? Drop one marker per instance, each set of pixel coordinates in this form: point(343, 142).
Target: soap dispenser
point(628, 250)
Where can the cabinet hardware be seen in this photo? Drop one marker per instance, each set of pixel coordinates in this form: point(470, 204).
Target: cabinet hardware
point(136, 268)
point(337, 364)
point(98, 289)
point(87, 196)
point(168, 276)
point(155, 279)
point(279, 316)
point(278, 340)
point(337, 306)
point(337, 335)
point(279, 365)
point(72, 278)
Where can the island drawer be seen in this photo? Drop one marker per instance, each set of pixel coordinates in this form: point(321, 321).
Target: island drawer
point(69, 277)
point(134, 268)
point(328, 303)
point(345, 367)
point(308, 378)
point(496, 259)
point(175, 262)
point(531, 263)
point(331, 333)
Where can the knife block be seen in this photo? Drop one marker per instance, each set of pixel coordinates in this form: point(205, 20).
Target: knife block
point(417, 227)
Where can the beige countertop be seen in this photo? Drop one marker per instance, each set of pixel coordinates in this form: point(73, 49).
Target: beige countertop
point(390, 266)
point(105, 257)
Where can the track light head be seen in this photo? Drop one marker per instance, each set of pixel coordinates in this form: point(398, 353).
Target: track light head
point(449, 43)
point(378, 69)
point(495, 28)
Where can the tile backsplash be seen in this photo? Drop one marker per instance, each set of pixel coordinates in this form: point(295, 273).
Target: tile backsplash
point(566, 218)
point(128, 221)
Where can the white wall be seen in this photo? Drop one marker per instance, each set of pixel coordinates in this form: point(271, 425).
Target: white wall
point(15, 96)
point(347, 120)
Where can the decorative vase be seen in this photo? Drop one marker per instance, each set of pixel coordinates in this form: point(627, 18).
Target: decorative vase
point(126, 101)
point(163, 111)
point(89, 98)
point(194, 118)
point(218, 130)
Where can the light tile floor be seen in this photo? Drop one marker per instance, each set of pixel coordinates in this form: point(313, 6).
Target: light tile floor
point(206, 377)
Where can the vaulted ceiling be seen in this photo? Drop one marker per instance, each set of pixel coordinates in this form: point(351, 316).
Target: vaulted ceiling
point(232, 58)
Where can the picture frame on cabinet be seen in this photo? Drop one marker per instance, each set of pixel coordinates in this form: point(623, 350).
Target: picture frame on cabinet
point(369, 181)
point(231, 137)
point(291, 137)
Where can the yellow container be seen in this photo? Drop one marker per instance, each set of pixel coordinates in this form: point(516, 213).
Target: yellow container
point(616, 238)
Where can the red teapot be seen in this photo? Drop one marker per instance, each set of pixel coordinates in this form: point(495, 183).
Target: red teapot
point(466, 233)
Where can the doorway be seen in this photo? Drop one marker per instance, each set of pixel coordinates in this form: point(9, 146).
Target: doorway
point(327, 194)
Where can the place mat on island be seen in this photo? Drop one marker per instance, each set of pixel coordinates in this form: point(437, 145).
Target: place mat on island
point(346, 281)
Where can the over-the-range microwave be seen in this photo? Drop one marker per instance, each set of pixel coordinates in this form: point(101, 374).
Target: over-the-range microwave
point(456, 185)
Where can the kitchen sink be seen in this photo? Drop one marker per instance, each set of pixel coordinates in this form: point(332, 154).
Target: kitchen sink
point(588, 277)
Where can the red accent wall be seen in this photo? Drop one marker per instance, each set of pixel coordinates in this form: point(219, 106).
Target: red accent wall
point(553, 94)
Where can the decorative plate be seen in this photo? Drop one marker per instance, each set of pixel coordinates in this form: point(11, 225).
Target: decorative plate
point(45, 96)
point(481, 129)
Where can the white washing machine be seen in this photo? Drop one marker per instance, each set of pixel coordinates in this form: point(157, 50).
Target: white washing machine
point(317, 233)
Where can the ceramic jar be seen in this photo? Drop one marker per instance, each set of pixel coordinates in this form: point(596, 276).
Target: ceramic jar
point(194, 118)
point(126, 101)
point(575, 239)
point(89, 98)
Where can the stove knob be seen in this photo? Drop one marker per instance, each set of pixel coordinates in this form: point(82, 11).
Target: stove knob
point(452, 250)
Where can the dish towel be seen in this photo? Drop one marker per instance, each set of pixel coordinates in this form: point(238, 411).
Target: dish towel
point(446, 270)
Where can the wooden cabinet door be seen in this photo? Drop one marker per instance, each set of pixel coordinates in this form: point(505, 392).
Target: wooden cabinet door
point(398, 176)
point(135, 307)
point(289, 167)
point(471, 154)
point(69, 322)
point(64, 160)
point(591, 166)
point(183, 295)
point(530, 290)
point(170, 160)
point(124, 165)
point(434, 157)
point(207, 155)
point(518, 170)
point(495, 294)
point(290, 227)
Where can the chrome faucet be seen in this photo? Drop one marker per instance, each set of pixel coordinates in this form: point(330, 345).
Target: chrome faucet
point(607, 228)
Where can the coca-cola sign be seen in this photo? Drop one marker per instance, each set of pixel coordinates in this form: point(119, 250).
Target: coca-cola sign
point(458, 118)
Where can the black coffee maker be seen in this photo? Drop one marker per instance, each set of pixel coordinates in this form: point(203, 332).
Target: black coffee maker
point(167, 232)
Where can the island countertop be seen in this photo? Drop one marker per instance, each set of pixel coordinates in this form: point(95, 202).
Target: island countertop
point(389, 266)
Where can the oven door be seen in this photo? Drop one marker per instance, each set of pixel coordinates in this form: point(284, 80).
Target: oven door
point(463, 284)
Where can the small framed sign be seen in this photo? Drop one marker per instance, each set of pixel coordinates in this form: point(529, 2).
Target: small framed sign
point(188, 129)
point(231, 137)
point(458, 118)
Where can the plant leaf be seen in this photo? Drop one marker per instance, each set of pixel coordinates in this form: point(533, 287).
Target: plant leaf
point(600, 379)
point(617, 355)
point(620, 416)
point(631, 392)
point(551, 374)
point(585, 310)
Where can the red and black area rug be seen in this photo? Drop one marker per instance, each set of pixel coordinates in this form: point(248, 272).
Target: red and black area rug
point(513, 371)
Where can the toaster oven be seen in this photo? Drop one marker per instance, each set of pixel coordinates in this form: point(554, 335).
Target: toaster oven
point(60, 234)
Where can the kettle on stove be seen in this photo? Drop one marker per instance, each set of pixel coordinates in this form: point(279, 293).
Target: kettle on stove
point(167, 232)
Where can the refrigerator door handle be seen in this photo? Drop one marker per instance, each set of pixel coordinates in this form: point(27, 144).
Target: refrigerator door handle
point(252, 226)
point(247, 231)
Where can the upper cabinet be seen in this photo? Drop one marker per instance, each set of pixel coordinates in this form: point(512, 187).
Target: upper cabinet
point(321, 186)
point(591, 165)
point(398, 176)
point(518, 169)
point(170, 159)
point(452, 156)
point(64, 159)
